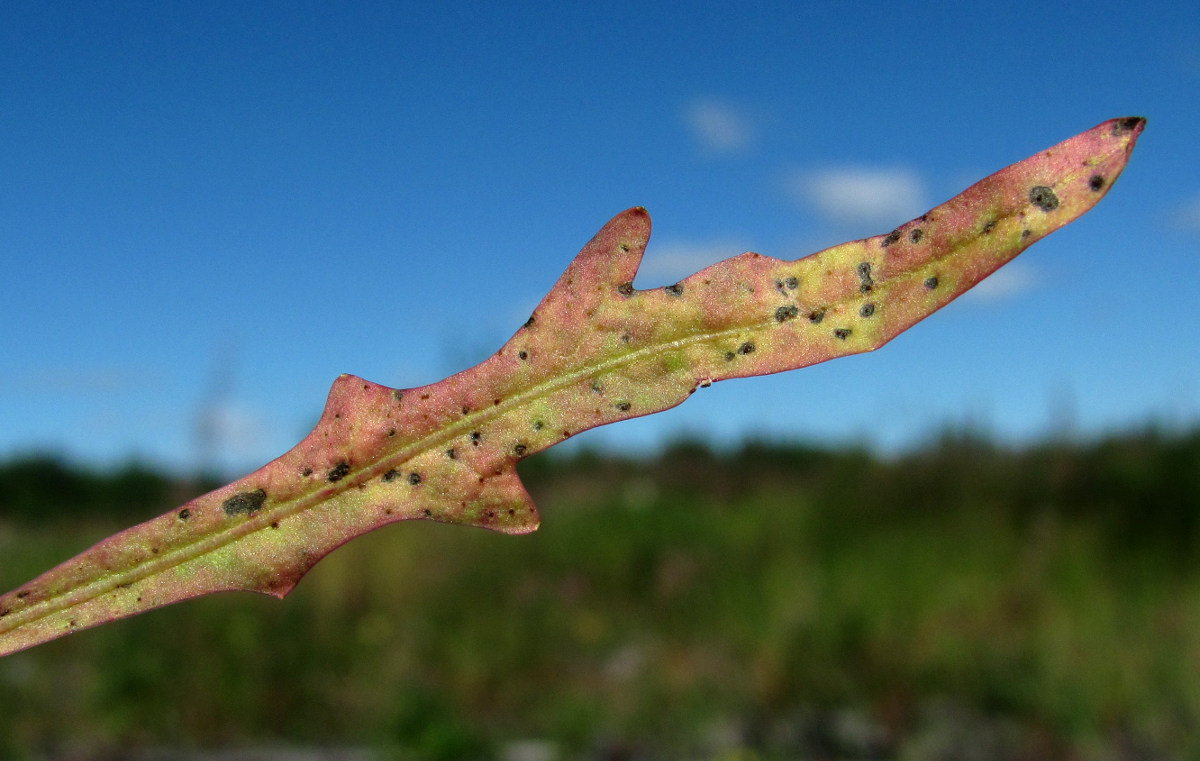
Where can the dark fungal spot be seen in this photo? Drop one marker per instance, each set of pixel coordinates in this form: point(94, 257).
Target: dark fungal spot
point(427, 512)
point(597, 386)
point(864, 274)
point(391, 432)
point(496, 402)
point(340, 471)
point(522, 354)
point(414, 478)
point(729, 356)
point(816, 317)
point(185, 514)
point(783, 314)
point(624, 247)
point(1096, 182)
point(867, 309)
point(1128, 124)
point(391, 475)
point(890, 238)
point(476, 436)
point(989, 226)
point(4, 612)
point(625, 289)
point(398, 395)
point(538, 425)
point(623, 406)
point(424, 396)
point(306, 472)
point(529, 323)
point(1043, 198)
point(842, 333)
point(274, 524)
point(520, 449)
point(453, 455)
point(25, 593)
point(674, 290)
point(916, 235)
point(746, 348)
point(792, 283)
point(248, 502)
point(931, 282)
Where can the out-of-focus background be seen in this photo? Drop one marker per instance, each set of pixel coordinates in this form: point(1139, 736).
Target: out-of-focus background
point(988, 546)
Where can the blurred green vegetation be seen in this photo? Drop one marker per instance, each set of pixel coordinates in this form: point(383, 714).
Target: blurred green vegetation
point(776, 601)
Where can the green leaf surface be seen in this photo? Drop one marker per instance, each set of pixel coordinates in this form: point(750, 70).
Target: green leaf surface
point(595, 351)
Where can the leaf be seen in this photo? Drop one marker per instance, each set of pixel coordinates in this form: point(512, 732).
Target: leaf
point(595, 351)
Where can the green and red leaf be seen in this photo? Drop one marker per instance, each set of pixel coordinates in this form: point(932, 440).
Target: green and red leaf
point(595, 351)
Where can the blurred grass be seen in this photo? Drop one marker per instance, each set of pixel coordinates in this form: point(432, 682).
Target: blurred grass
point(766, 601)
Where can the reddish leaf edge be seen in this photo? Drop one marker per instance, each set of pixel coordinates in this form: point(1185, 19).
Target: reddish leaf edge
point(448, 451)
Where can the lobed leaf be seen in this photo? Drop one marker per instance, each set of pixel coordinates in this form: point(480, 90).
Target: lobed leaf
point(594, 351)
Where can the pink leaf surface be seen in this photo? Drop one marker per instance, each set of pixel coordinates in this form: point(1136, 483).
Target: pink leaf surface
point(595, 351)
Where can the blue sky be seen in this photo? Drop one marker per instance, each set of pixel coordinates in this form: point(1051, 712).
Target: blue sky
point(209, 210)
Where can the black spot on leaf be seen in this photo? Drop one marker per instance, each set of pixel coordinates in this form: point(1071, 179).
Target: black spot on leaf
point(867, 309)
point(625, 289)
point(890, 238)
point(783, 314)
point(398, 395)
point(1043, 198)
point(1096, 182)
point(931, 282)
point(842, 333)
point(529, 323)
point(522, 355)
point(248, 502)
point(451, 453)
point(674, 290)
point(623, 406)
point(1128, 124)
point(792, 283)
point(816, 317)
point(864, 274)
point(185, 514)
point(414, 478)
point(476, 437)
point(340, 471)
point(916, 235)
point(520, 449)
point(746, 348)
point(729, 356)
point(989, 226)
point(391, 475)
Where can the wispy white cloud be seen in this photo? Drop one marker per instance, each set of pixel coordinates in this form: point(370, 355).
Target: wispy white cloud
point(1008, 282)
point(227, 435)
point(868, 197)
point(1187, 215)
point(719, 127)
point(672, 261)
